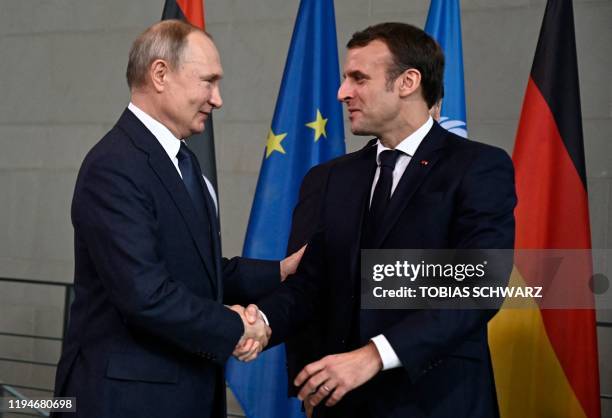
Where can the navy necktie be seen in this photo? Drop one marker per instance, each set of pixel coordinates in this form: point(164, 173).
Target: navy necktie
point(380, 198)
point(192, 179)
point(382, 191)
point(367, 320)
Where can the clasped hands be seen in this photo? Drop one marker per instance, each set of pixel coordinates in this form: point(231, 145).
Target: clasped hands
point(256, 333)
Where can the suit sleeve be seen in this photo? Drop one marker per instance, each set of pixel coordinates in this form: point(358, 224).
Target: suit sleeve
point(246, 280)
point(294, 303)
point(292, 310)
point(306, 346)
point(292, 306)
point(307, 212)
point(484, 220)
point(116, 218)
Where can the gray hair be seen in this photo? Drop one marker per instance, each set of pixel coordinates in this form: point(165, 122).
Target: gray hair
point(164, 40)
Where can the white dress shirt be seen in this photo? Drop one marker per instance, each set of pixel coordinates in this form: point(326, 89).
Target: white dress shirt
point(408, 146)
point(169, 143)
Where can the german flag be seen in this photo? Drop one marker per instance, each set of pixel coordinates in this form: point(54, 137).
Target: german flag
point(203, 145)
point(191, 11)
point(545, 361)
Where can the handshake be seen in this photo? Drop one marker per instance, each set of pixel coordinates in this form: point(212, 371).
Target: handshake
point(326, 380)
point(256, 333)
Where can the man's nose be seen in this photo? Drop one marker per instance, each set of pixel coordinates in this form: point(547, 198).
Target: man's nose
point(215, 99)
point(344, 91)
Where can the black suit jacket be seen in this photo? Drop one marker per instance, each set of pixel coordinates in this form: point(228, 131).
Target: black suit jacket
point(306, 346)
point(453, 194)
point(148, 334)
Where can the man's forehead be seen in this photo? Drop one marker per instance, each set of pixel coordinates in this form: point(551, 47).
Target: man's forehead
point(201, 52)
point(199, 47)
point(373, 54)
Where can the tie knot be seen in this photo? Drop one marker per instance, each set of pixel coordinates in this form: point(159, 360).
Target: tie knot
point(388, 158)
point(183, 152)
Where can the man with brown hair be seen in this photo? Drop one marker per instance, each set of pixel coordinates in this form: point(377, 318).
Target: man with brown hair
point(417, 186)
point(149, 333)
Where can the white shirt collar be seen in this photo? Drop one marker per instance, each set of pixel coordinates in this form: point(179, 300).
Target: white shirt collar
point(409, 144)
point(168, 141)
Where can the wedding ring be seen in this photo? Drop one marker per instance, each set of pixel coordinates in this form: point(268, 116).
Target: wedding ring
point(326, 389)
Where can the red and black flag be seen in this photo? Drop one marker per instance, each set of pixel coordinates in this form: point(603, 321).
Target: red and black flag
point(191, 11)
point(203, 145)
point(545, 360)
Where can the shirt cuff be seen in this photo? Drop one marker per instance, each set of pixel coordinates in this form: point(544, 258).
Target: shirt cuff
point(265, 318)
point(390, 360)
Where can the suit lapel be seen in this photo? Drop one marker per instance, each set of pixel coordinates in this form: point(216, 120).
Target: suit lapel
point(361, 175)
point(421, 163)
point(215, 233)
point(165, 170)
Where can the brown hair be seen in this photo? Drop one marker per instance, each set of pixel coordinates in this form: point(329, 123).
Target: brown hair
point(410, 47)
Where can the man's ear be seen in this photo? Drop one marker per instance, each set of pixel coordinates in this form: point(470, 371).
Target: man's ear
point(158, 72)
point(409, 82)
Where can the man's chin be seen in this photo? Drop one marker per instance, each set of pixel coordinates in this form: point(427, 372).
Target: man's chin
point(360, 131)
point(198, 128)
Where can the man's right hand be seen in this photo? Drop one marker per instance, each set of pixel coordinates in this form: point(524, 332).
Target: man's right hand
point(256, 333)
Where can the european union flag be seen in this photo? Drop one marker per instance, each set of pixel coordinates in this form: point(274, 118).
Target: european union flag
point(307, 129)
point(444, 25)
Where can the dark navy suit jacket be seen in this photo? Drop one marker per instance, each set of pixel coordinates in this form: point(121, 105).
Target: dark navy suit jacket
point(148, 334)
point(454, 194)
point(305, 347)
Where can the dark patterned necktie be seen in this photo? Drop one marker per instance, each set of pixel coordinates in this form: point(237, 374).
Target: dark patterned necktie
point(192, 179)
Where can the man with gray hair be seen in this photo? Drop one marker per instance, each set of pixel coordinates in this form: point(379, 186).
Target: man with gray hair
point(149, 333)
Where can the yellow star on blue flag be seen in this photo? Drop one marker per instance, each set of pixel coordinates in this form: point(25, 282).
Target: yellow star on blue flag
point(319, 126)
point(273, 143)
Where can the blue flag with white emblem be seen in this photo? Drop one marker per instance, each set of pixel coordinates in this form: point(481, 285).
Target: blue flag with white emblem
point(444, 25)
point(307, 129)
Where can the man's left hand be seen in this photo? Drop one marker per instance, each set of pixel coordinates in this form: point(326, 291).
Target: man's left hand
point(334, 376)
point(289, 265)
